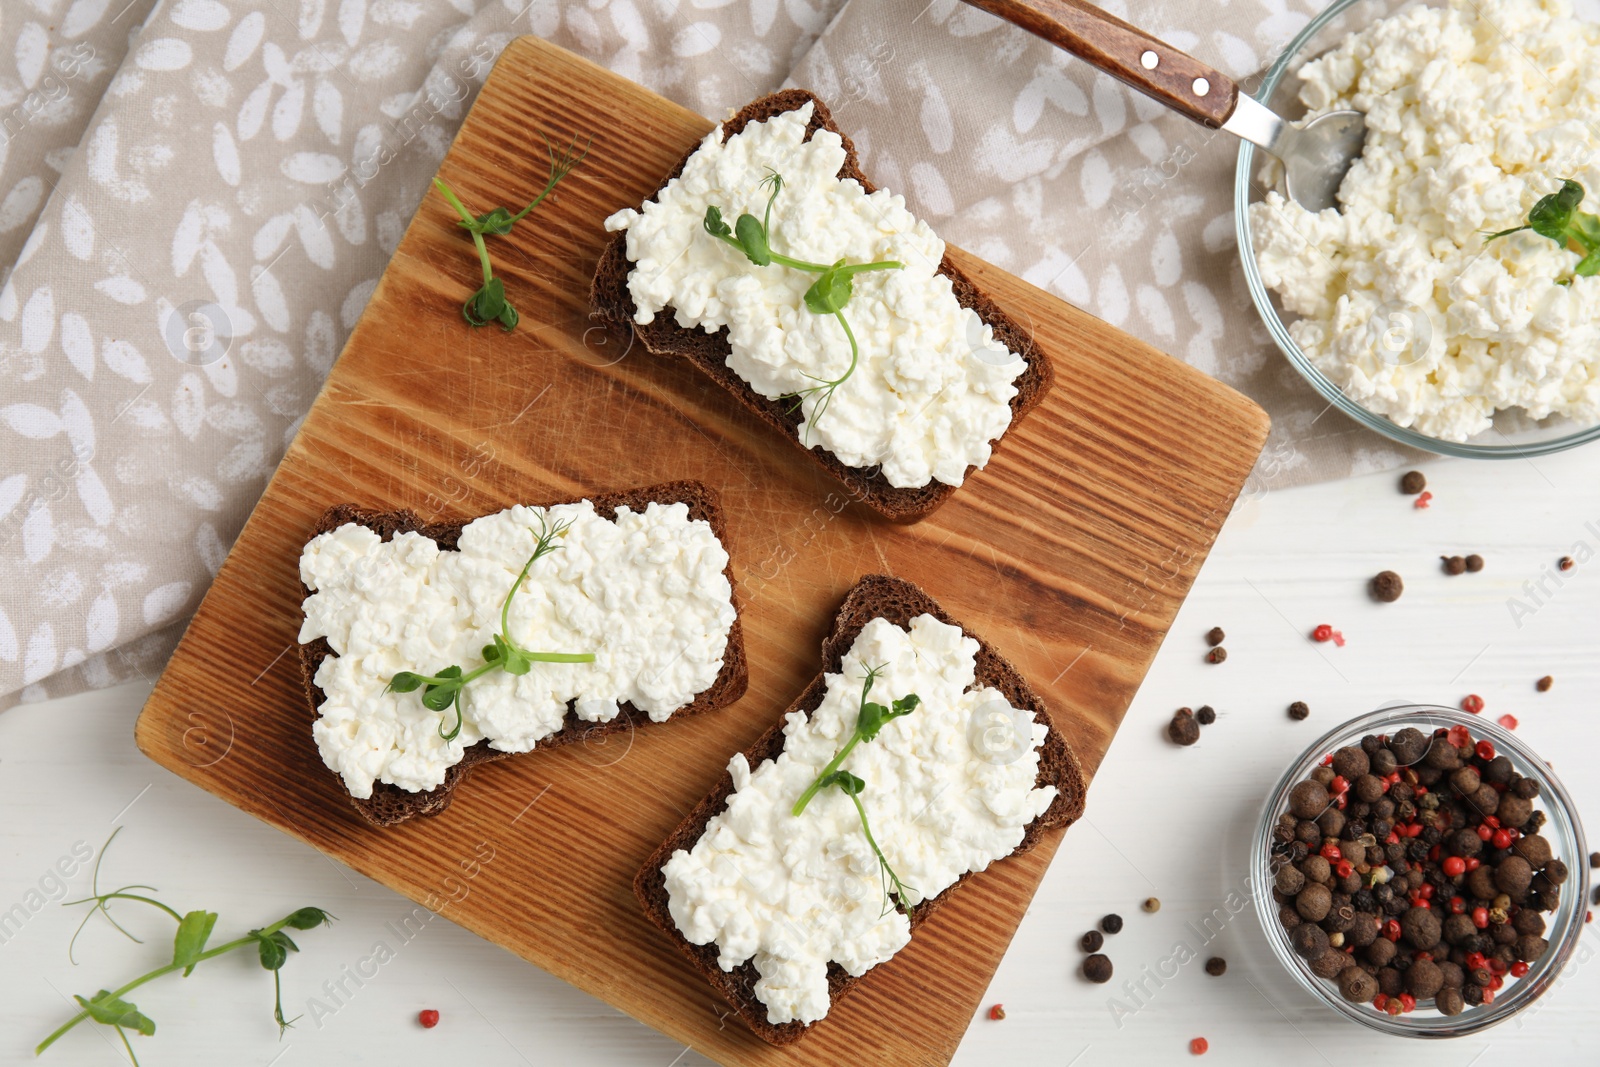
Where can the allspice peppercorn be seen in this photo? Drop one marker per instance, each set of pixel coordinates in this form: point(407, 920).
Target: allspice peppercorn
point(1387, 587)
point(1097, 968)
point(1092, 941)
point(1183, 729)
point(1449, 1001)
point(1454, 564)
point(1474, 563)
point(1356, 985)
point(1111, 923)
point(1543, 684)
point(1151, 905)
point(1205, 715)
point(1217, 655)
point(1298, 710)
point(1215, 636)
point(1412, 483)
point(1216, 966)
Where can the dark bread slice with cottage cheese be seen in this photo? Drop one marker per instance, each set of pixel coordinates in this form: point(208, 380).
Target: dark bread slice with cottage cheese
point(612, 304)
point(898, 601)
point(389, 804)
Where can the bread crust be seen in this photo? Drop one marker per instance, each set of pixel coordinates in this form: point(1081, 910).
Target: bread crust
point(898, 601)
point(390, 805)
point(612, 304)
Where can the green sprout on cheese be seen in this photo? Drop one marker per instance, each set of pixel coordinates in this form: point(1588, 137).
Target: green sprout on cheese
point(441, 690)
point(1557, 217)
point(870, 719)
point(828, 295)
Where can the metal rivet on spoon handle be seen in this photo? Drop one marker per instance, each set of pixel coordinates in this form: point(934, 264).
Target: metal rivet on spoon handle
point(1315, 157)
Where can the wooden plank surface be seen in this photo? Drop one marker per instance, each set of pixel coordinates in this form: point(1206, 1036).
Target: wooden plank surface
point(1070, 554)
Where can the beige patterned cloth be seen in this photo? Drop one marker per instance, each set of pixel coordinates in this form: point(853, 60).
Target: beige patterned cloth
point(244, 169)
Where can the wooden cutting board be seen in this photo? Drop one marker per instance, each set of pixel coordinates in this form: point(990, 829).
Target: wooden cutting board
point(1070, 553)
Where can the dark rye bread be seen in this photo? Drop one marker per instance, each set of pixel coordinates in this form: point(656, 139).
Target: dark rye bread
point(610, 301)
point(390, 804)
point(875, 596)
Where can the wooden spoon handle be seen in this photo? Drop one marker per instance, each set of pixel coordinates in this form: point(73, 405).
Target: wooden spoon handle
point(1130, 55)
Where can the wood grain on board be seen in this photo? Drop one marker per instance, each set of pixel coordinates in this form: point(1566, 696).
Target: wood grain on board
point(1070, 554)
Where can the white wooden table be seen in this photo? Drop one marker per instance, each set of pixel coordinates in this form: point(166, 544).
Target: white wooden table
point(1164, 821)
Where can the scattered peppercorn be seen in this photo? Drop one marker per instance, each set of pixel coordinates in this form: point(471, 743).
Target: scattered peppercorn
point(1299, 710)
point(1423, 501)
point(1151, 904)
point(1199, 1046)
point(1594, 860)
point(1472, 702)
point(1112, 923)
point(1387, 586)
point(1216, 966)
point(428, 1018)
point(1206, 715)
point(1508, 721)
point(1215, 636)
point(1183, 730)
point(1092, 941)
point(1565, 563)
point(1474, 563)
point(997, 1012)
point(1412, 483)
point(1097, 968)
point(1543, 684)
point(1217, 655)
point(1454, 564)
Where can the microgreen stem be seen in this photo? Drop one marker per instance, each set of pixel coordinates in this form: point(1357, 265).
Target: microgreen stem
point(833, 764)
point(884, 869)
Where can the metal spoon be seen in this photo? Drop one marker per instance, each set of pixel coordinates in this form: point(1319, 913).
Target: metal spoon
point(1315, 156)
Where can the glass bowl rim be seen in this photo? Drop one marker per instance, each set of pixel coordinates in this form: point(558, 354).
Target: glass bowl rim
point(1559, 809)
point(1261, 297)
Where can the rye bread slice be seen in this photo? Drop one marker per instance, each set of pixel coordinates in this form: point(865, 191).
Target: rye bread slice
point(874, 596)
point(610, 301)
point(389, 804)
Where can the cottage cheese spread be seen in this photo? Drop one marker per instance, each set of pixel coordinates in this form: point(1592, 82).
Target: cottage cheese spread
point(933, 387)
point(795, 892)
point(645, 593)
point(1474, 112)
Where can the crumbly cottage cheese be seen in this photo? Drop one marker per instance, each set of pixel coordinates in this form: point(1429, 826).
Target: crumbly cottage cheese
point(795, 892)
point(933, 387)
point(645, 593)
point(1474, 112)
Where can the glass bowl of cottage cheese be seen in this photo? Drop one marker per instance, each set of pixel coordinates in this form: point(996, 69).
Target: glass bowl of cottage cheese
point(1397, 307)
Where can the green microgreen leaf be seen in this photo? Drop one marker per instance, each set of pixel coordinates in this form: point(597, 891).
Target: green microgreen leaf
point(405, 682)
point(848, 783)
point(190, 940)
point(715, 226)
point(109, 1009)
point(752, 238)
point(308, 919)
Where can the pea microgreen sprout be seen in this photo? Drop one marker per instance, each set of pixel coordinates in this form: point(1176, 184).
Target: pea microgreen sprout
point(442, 690)
point(108, 1006)
point(1557, 217)
point(870, 719)
point(489, 303)
point(828, 295)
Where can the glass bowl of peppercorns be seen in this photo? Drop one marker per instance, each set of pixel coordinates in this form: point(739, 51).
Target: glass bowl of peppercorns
point(1421, 871)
